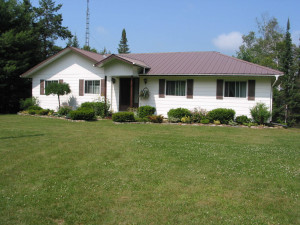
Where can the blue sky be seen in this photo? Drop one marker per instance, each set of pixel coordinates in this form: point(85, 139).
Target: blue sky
point(174, 25)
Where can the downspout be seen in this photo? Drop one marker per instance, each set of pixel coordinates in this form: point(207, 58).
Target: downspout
point(271, 96)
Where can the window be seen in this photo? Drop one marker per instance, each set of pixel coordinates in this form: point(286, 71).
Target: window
point(235, 89)
point(176, 88)
point(47, 82)
point(92, 87)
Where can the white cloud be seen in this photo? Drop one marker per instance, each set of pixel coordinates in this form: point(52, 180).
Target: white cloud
point(101, 30)
point(228, 42)
point(296, 37)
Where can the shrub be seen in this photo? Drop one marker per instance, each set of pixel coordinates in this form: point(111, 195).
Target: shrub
point(198, 114)
point(175, 115)
point(31, 111)
point(34, 107)
point(42, 111)
point(65, 110)
point(260, 113)
point(101, 108)
point(156, 119)
point(145, 111)
point(217, 122)
point(186, 119)
point(242, 119)
point(232, 123)
point(123, 117)
point(141, 120)
point(221, 114)
point(26, 103)
point(82, 114)
point(204, 121)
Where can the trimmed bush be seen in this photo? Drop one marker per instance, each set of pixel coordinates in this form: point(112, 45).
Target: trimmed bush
point(175, 115)
point(65, 110)
point(100, 108)
point(145, 111)
point(26, 103)
point(242, 119)
point(204, 121)
point(42, 111)
point(156, 119)
point(221, 114)
point(260, 113)
point(82, 114)
point(34, 107)
point(186, 119)
point(31, 111)
point(123, 117)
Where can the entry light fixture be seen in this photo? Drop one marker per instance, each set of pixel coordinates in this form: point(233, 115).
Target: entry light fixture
point(113, 80)
point(145, 80)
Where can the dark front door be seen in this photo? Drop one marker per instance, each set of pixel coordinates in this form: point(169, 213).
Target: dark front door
point(125, 93)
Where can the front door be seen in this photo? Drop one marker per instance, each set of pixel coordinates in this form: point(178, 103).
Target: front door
point(125, 89)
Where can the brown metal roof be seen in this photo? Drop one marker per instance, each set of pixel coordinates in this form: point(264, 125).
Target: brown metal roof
point(174, 63)
point(194, 63)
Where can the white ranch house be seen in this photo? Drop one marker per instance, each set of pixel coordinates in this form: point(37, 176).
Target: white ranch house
point(190, 80)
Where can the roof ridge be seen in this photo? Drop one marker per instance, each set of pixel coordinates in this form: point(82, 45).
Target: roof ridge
point(164, 52)
point(250, 63)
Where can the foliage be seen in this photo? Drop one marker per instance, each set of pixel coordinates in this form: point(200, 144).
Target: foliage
point(198, 114)
point(175, 115)
point(144, 111)
point(156, 118)
point(49, 27)
point(217, 122)
point(204, 121)
point(88, 48)
point(58, 89)
point(123, 46)
point(145, 93)
point(123, 117)
point(34, 107)
point(232, 123)
point(141, 120)
point(65, 110)
point(104, 51)
point(260, 113)
point(25, 103)
point(73, 42)
point(186, 119)
point(82, 114)
point(42, 111)
point(221, 114)
point(101, 108)
point(242, 119)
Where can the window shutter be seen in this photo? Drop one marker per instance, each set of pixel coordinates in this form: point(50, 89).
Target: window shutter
point(102, 87)
point(251, 90)
point(42, 87)
point(219, 93)
point(190, 88)
point(81, 87)
point(60, 81)
point(161, 88)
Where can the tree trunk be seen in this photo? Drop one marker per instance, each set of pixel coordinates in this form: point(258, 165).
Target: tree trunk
point(58, 102)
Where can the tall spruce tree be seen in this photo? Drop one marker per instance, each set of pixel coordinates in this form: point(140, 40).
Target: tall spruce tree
point(123, 46)
point(49, 27)
point(73, 42)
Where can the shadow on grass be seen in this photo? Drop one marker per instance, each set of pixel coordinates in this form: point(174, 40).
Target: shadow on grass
point(22, 136)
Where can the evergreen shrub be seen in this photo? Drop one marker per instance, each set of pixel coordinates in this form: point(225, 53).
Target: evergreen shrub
point(175, 115)
point(145, 111)
point(123, 117)
point(260, 113)
point(101, 108)
point(242, 119)
point(221, 114)
point(82, 114)
point(65, 110)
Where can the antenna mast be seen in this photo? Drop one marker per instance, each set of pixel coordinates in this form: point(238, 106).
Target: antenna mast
point(87, 29)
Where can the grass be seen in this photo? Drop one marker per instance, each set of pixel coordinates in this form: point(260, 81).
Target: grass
point(59, 172)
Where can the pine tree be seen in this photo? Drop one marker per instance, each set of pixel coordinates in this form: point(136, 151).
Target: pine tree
point(49, 27)
point(73, 42)
point(123, 46)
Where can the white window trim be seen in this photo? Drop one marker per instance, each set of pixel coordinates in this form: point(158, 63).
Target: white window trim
point(92, 94)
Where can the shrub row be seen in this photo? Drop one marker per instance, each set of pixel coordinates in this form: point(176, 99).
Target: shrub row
point(123, 117)
point(82, 114)
point(100, 108)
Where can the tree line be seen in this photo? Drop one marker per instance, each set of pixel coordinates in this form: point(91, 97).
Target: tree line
point(272, 47)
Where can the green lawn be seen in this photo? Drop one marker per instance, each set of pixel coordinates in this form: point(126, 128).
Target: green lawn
point(59, 172)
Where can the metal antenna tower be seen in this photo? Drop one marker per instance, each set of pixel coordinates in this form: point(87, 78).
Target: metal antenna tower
point(87, 29)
